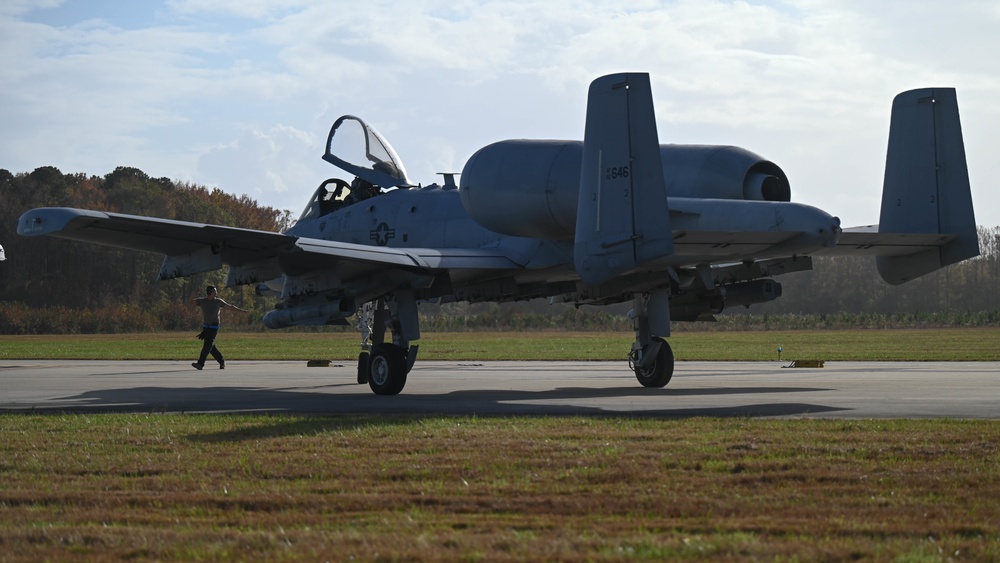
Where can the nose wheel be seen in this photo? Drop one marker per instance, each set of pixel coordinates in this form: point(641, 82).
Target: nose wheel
point(387, 368)
point(383, 365)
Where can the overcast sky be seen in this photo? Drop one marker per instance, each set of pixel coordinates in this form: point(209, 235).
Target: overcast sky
point(240, 94)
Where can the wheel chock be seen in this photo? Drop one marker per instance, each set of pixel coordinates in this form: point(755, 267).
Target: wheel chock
point(805, 364)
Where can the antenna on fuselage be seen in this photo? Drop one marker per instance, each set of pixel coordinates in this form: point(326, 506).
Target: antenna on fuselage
point(449, 180)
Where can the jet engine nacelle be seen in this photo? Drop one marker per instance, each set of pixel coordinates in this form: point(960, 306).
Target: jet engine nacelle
point(524, 188)
point(530, 188)
point(719, 172)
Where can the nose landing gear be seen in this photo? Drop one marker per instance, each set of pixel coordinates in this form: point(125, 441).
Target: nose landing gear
point(384, 365)
point(387, 369)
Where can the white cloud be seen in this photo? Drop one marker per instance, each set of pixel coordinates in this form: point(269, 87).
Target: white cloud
point(240, 94)
point(276, 167)
point(252, 9)
point(19, 7)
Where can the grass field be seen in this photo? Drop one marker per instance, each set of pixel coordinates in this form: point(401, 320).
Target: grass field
point(200, 487)
point(287, 488)
point(968, 344)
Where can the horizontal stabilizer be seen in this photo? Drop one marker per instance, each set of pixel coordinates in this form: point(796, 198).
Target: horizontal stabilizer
point(867, 241)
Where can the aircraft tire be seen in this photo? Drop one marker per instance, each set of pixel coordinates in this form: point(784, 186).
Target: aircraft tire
point(658, 374)
point(387, 369)
point(363, 366)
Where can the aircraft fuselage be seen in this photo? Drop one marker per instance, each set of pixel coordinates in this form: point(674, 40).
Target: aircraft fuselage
point(705, 231)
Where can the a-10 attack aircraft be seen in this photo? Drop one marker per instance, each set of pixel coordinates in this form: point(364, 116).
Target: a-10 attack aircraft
point(681, 231)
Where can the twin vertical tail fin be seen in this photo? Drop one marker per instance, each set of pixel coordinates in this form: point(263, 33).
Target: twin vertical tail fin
point(926, 188)
point(622, 217)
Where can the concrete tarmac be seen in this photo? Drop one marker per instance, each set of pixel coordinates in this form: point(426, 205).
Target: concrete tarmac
point(756, 389)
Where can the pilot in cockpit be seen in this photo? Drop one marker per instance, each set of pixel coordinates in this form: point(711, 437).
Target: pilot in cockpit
point(331, 200)
point(361, 190)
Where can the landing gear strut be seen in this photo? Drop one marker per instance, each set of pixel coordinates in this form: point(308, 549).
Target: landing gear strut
point(384, 365)
point(651, 357)
point(366, 317)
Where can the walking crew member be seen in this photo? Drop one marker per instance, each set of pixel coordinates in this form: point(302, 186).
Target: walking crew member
point(211, 310)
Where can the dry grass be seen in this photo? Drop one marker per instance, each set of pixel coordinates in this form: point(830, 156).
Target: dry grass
point(177, 487)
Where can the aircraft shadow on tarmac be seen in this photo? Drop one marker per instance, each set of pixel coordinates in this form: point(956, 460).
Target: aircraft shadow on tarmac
point(481, 402)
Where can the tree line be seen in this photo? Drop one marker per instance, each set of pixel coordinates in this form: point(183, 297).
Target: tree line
point(50, 285)
point(852, 285)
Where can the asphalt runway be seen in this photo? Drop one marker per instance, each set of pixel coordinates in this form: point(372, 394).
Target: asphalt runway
point(755, 389)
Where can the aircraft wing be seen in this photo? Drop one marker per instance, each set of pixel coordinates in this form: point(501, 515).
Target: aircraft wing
point(361, 268)
point(867, 241)
point(164, 236)
point(422, 258)
point(254, 256)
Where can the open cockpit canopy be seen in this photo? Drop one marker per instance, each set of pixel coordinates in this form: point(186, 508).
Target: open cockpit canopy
point(356, 147)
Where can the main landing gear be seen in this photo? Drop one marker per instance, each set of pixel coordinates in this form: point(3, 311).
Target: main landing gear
point(385, 365)
point(651, 357)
